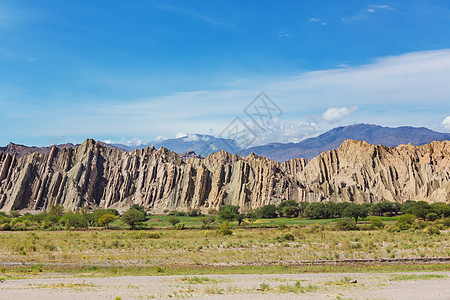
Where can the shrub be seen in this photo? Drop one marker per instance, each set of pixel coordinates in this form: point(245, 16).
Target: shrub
point(376, 222)
point(174, 221)
point(180, 214)
point(288, 237)
point(345, 224)
point(179, 226)
point(431, 217)
point(212, 211)
point(432, 230)
point(225, 229)
point(5, 226)
point(194, 213)
point(405, 222)
point(56, 210)
point(207, 221)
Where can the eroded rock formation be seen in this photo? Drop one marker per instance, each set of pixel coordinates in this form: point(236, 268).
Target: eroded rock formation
point(92, 176)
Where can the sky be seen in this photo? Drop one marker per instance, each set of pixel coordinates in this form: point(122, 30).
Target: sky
point(137, 71)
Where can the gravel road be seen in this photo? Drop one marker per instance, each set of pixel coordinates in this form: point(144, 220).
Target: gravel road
point(423, 285)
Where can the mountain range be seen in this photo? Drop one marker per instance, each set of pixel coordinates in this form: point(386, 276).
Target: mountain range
point(308, 148)
point(94, 176)
point(197, 145)
point(373, 134)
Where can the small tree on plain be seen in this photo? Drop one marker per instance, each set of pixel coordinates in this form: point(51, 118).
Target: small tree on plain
point(106, 219)
point(133, 216)
point(174, 221)
point(355, 211)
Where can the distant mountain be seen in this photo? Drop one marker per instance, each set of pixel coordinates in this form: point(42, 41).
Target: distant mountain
point(21, 150)
point(201, 144)
point(197, 145)
point(373, 134)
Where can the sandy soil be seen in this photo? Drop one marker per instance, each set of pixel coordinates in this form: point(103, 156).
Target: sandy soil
point(323, 286)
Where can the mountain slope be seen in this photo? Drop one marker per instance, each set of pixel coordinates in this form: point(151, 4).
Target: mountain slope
point(372, 134)
point(201, 144)
point(92, 175)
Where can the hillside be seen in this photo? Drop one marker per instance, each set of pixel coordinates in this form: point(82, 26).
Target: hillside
point(93, 175)
point(373, 134)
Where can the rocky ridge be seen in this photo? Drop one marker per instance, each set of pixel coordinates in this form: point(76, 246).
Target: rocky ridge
point(92, 175)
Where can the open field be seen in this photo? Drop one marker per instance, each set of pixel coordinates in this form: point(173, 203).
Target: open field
point(429, 285)
point(245, 247)
point(299, 257)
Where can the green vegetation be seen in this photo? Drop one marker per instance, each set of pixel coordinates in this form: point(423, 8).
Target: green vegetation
point(401, 277)
point(391, 216)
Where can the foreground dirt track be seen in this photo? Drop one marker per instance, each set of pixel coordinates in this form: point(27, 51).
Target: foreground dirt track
point(429, 285)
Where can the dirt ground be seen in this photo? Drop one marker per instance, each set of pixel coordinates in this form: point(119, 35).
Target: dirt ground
point(423, 285)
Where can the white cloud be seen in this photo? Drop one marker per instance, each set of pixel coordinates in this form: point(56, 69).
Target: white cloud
point(180, 135)
point(335, 114)
point(381, 6)
point(314, 20)
point(132, 142)
point(108, 141)
point(409, 89)
point(191, 138)
point(283, 34)
point(371, 10)
point(160, 138)
point(446, 123)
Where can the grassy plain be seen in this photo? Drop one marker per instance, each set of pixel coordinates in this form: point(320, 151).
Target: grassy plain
point(255, 249)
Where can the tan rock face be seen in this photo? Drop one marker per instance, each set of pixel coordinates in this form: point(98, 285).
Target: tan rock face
point(93, 176)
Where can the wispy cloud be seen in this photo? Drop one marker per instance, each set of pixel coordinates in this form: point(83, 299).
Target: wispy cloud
point(335, 114)
point(446, 124)
point(187, 11)
point(366, 13)
point(409, 89)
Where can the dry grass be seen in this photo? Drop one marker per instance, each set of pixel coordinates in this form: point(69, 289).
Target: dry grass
point(163, 248)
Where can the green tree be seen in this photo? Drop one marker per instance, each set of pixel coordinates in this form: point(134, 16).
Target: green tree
point(174, 221)
point(132, 217)
point(207, 221)
point(383, 207)
point(316, 210)
point(421, 209)
point(240, 218)
point(355, 211)
point(228, 212)
point(56, 210)
point(72, 220)
point(268, 211)
point(252, 215)
point(405, 221)
point(289, 208)
point(106, 219)
point(441, 209)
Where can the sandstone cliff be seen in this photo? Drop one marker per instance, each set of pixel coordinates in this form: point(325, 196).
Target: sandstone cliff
point(93, 175)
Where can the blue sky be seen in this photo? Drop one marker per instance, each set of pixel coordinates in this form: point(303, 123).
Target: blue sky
point(131, 71)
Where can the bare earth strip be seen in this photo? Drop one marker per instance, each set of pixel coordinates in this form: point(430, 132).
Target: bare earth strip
point(423, 285)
